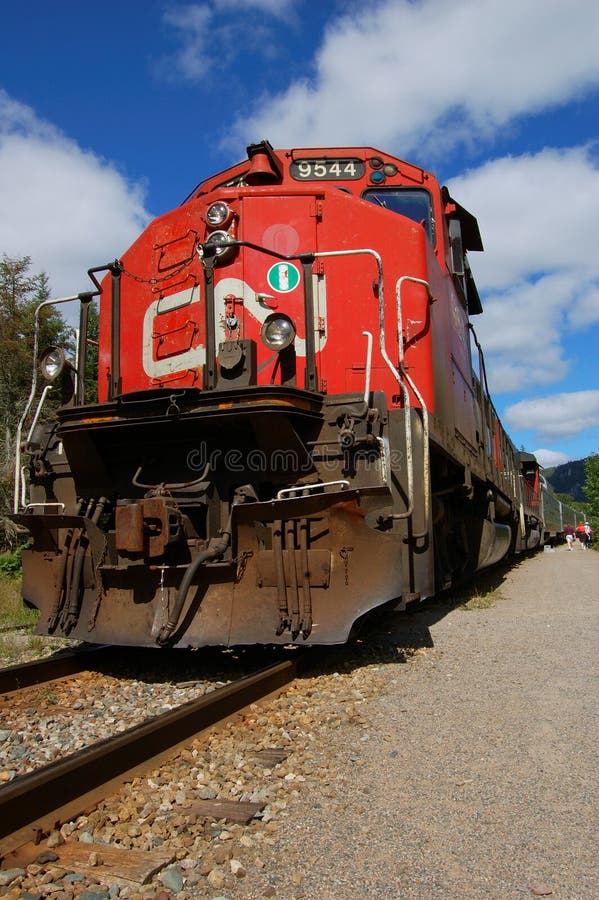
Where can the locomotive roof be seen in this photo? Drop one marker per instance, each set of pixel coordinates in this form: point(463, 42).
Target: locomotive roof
point(470, 231)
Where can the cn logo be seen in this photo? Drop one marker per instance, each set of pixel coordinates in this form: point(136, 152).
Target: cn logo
point(283, 277)
point(193, 358)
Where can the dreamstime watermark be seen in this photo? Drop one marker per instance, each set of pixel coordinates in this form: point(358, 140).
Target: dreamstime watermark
point(234, 460)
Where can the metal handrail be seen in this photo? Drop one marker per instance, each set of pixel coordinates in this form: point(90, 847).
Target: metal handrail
point(401, 376)
point(303, 489)
point(425, 418)
point(28, 405)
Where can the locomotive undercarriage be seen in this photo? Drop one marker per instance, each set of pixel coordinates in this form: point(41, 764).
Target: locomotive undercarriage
point(475, 523)
point(285, 517)
point(293, 524)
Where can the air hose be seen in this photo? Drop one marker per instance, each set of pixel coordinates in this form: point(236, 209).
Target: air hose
point(216, 549)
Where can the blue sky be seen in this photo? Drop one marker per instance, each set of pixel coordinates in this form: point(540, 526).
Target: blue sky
point(111, 112)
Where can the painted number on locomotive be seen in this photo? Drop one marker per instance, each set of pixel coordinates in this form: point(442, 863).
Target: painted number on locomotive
point(327, 169)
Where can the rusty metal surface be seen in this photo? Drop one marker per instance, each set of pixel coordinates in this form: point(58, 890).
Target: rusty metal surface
point(147, 527)
point(13, 678)
point(33, 803)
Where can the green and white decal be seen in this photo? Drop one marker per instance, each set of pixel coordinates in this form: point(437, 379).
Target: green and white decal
point(283, 277)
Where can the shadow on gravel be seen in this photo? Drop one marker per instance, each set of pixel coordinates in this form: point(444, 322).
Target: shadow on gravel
point(386, 636)
point(382, 636)
point(183, 668)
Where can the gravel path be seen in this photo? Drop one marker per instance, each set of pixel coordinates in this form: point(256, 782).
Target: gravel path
point(476, 774)
point(452, 754)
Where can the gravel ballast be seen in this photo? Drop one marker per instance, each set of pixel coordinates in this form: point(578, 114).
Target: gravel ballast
point(452, 753)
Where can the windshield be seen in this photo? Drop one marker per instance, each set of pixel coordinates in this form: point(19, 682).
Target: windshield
point(410, 202)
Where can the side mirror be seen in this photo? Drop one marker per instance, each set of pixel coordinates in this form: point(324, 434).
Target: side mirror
point(457, 249)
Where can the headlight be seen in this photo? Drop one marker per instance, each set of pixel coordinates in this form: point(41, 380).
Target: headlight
point(218, 213)
point(52, 363)
point(222, 240)
point(277, 332)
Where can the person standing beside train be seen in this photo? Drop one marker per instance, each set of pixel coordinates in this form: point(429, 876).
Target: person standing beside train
point(569, 535)
point(581, 534)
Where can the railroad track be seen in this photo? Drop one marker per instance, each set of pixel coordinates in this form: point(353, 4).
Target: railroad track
point(68, 662)
point(34, 804)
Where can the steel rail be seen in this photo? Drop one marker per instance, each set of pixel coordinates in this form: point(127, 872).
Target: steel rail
point(39, 671)
point(34, 804)
point(22, 675)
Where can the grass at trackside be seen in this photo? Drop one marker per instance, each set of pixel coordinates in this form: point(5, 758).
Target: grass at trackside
point(12, 611)
point(13, 614)
point(482, 600)
point(475, 596)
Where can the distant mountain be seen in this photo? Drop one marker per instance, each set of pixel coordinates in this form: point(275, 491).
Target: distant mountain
point(568, 478)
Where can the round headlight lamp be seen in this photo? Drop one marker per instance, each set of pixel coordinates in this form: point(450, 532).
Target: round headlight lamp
point(52, 363)
point(218, 213)
point(222, 240)
point(277, 332)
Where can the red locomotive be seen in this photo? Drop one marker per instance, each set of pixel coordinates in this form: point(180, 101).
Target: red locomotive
point(289, 430)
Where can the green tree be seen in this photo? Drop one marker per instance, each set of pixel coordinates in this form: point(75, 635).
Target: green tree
point(591, 490)
point(569, 500)
point(20, 295)
point(91, 368)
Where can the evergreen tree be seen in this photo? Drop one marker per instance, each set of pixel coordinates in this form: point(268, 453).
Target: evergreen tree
point(91, 368)
point(20, 295)
point(591, 490)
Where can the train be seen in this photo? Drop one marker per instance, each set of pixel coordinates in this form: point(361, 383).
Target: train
point(292, 426)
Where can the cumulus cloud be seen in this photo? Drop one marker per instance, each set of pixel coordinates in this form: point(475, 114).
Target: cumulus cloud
point(192, 60)
point(432, 74)
point(539, 275)
point(522, 332)
point(557, 416)
point(62, 205)
point(548, 458)
point(537, 213)
point(278, 8)
point(586, 310)
point(212, 35)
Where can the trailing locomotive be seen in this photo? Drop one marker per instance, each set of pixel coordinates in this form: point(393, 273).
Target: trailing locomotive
point(289, 430)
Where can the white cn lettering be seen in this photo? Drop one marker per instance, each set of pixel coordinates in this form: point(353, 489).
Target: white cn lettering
point(179, 362)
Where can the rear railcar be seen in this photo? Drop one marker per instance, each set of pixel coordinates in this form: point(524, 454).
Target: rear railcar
point(557, 515)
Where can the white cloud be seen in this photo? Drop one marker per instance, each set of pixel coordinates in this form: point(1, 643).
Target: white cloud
point(557, 416)
point(539, 276)
point(398, 74)
point(537, 213)
point(586, 309)
point(522, 332)
point(214, 34)
point(549, 458)
point(64, 206)
point(278, 8)
point(193, 22)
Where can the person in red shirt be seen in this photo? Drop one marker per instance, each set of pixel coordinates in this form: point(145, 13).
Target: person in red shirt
point(581, 534)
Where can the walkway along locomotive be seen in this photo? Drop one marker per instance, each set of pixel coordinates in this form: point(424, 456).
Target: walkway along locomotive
point(289, 430)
